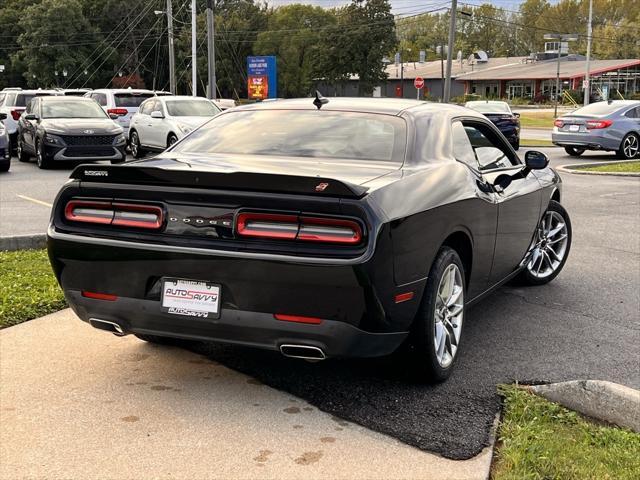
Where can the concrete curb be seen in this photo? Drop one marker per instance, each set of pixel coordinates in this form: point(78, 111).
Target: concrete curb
point(23, 242)
point(599, 399)
point(577, 169)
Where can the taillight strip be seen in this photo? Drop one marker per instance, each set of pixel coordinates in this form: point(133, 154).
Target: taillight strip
point(150, 217)
point(303, 228)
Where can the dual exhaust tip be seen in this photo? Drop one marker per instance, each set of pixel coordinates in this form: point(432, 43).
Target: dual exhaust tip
point(305, 352)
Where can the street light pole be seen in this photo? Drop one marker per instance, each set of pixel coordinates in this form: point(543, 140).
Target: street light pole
point(587, 80)
point(560, 38)
point(452, 40)
point(172, 53)
point(194, 53)
point(211, 51)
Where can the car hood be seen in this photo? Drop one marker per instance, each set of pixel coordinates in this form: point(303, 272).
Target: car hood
point(355, 172)
point(81, 126)
point(192, 122)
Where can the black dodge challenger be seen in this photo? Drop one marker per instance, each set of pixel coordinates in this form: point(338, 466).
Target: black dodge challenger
point(348, 227)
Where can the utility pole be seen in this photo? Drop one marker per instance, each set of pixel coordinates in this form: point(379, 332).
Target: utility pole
point(172, 53)
point(194, 53)
point(587, 80)
point(452, 40)
point(560, 38)
point(211, 51)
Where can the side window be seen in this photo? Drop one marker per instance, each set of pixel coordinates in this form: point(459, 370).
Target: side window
point(462, 149)
point(146, 107)
point(30, 108)
point(101, 98)
point(157, 106)
point(2, 95)
point(490, 151)
point(633, 113)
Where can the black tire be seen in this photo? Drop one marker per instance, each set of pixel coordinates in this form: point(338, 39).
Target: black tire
point(20, 153)
point(134, 144)
point(4, 166)
point(629, 147)
point(41, 159)
point(574, 151)
point(171, 139)
point(421, 349)
point(158, 340)
point(526, 277)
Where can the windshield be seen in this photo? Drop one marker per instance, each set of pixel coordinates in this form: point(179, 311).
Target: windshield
point(493, 107)
point(598, 109)
point(313, 134)
point(72, 110)
point(131, 99)
point(191, 108)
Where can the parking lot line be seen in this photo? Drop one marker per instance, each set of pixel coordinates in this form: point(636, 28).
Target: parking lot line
point(35, 200)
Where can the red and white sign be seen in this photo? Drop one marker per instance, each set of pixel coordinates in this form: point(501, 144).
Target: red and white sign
point(418, 82)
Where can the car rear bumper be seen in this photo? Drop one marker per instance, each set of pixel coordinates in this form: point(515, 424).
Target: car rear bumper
point(589, 141)
point(354, 304)
point(254, 329)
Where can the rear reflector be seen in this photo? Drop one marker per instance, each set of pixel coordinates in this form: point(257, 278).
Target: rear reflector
point(99, 296)
point(118, 111)
point(403, 297)
point(597, 124)
point(293, 227)
point(16, 114)
point(297, 319)
point(120, 214)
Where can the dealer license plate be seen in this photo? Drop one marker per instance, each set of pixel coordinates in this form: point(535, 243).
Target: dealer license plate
point(191, 298)
point(574, 128)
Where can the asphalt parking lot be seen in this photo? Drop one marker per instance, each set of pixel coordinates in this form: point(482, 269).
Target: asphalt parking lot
point(584, 325)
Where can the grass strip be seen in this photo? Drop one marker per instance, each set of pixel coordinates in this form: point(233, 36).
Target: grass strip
point(28, 288)
point(627, 167)
point(543, 440)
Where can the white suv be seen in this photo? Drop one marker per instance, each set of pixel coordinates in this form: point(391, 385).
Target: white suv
point(162, 121)
point(13, 101)
point(123, 102)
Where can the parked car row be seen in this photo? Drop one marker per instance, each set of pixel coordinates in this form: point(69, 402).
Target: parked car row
point(91, 125)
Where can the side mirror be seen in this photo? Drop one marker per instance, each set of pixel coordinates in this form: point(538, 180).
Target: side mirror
point(535, 160)
point(157, 114)
point(516, 114)
point(3, 116)
point(32, 117)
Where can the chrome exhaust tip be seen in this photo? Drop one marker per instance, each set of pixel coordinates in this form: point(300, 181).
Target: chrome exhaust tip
point(108, 326)
point(305, 352)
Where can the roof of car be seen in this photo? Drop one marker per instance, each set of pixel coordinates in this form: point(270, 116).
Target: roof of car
point(389, 106)
point(65, 98)
point(168, 98)
point(123, 90)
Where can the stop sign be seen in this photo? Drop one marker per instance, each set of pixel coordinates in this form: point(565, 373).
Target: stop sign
point(418, 82)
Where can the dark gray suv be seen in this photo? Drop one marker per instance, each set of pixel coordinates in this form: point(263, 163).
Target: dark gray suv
point(5, 151)
point(612, 126)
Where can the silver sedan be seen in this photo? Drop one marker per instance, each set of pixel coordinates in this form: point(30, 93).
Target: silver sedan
point(613, 125)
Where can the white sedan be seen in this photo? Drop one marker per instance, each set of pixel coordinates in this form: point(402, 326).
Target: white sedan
point(162, 121)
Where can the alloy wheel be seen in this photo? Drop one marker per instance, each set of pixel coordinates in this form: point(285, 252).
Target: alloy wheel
point(134, 144)
point(631, 146)
point(39, 155)
point(550, 245)
point(449, 311)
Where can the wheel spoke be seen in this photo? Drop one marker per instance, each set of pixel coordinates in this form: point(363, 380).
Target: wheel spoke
point(555, 231)
point(457, 291)
point(554, 254)
point(559, 239)
point(440, 339)
point(455, 310)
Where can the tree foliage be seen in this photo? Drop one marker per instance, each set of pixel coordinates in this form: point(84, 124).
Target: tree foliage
point(118, 40)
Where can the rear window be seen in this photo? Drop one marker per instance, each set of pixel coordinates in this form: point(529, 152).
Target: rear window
point(493, 107)
point(131, 99)
point(598, 109)
point(191, 108)
point(293, 133)
point(23, 99)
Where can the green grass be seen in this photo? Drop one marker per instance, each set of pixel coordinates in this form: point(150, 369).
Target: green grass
point(535, 119)
point(28, 288)
point(630, 167)
point(542, 440)
point(529, 142)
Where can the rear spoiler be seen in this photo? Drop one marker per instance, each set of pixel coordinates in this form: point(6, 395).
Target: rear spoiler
point(259, 182)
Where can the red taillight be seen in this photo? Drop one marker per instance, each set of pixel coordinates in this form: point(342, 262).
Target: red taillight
point(596, 124)
point(297, 319)
point(121, 112)
point(15, 114)
point(110, 213)
point(559, 123)
point(100, 296)
point(293, 227)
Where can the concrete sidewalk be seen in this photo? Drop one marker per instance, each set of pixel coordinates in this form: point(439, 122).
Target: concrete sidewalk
point(77, 403)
